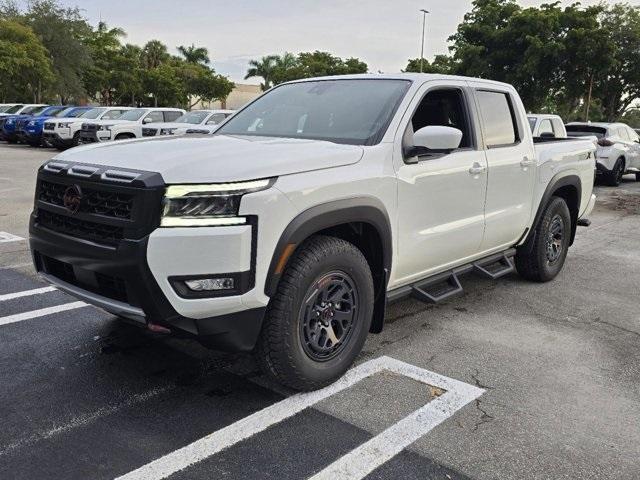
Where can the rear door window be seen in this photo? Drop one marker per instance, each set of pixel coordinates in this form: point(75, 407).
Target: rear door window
point(546, 128)
point(154, 117)
point(171, 116)
point(500, 127)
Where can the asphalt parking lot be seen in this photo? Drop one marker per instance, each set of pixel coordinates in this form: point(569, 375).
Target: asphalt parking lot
point(550, 375)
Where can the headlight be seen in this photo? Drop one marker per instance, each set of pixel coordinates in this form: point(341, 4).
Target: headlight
point(105, 127)
point(31, 123)
point(167, 131)
point(64, 124)
point(207, 205)
point(11, 121)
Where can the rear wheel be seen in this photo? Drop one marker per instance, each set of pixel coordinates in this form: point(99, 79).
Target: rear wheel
point(318, 320)
point(614, 177)
point(543, 256)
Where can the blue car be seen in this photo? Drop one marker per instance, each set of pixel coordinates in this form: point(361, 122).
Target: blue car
point(9, 124)
point(30, 130)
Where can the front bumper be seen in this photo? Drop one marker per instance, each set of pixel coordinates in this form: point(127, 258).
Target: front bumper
point(54, 139)
point(95, 136)
point(138, 276)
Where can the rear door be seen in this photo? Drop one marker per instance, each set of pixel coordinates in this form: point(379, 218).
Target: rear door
point(634, 148)
point(511, 161)
point(440, 196)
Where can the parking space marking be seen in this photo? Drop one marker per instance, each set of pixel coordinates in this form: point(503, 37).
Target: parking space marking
point(26, 293)
point(6, 237)
point(364, 458)
point(19, 317)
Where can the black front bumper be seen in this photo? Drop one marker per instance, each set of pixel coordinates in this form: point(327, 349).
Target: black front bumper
point(88, 136)
point(115, 275)
point(55, 140)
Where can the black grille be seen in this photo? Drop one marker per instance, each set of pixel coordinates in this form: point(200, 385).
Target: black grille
point(89, 127)
point(108, 204)
point(49, 126)
point(79, 228)
point(149, 132)
point(20, 124)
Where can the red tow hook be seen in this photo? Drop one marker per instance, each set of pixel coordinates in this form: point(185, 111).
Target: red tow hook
point(157, 328)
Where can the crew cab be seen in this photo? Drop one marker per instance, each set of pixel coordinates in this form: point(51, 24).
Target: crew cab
point(288, 230)
point(32, 132)
point(65, 133)
point(197, 121)
point(128, 125)
point(618, 150)
point(544, 125)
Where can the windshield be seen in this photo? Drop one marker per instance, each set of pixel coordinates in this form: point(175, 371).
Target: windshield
point(586, 131)
point(133, 115)
point(193, 117)
point(532, 122)
point(13, 109)
point(355, 112)
point(63, 112)
point(93, 113)
point(34, 110)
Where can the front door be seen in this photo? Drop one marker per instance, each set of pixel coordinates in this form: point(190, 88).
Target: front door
point(440, 196)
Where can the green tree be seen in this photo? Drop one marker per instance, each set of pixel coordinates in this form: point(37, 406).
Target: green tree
point(63, 32)
point(195, 54)
point(100, 77)
point(154, 54)
point(264, 68)
point(25, 68)
point(441, 64)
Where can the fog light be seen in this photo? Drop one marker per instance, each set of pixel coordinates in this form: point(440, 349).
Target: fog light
point(207, 284)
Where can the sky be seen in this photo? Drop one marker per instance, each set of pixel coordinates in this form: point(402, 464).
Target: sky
point(383, 33)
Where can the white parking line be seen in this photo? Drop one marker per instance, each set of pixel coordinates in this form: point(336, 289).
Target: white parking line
point(19, 317)
point(9, 237)
point(26, 293)
point(356, 464)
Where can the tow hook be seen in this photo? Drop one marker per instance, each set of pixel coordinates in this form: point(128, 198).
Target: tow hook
point(155, 328)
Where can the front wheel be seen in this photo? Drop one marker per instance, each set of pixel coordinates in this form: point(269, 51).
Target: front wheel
point(614, 177)
point(542, 257)
point(318, 320)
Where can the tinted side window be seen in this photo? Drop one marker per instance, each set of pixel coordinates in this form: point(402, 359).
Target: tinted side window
point(154, 117)
point(110, 115)
point(499, 120)
point(171, 116)
point(443, 108)
point(546, 127)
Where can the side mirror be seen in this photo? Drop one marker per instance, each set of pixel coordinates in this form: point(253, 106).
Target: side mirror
point(147, 120)
point(435, 139)
point(547, 135)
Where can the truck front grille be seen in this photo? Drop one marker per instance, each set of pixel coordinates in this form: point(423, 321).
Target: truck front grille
point(149, 132)
point(89, 127)
point(109, 204)
point(49, 126)
point(80, 228)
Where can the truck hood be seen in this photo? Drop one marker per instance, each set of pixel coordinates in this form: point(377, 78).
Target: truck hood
point(219, 158)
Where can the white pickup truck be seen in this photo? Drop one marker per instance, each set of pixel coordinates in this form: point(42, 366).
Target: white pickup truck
point(64, 133)
point(127, 126)
point(546, 125)
point(289, 229)
point(196, 121)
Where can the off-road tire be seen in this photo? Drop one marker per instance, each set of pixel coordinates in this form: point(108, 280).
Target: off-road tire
point(280, 349)
point(532, 260)
point(614, 177)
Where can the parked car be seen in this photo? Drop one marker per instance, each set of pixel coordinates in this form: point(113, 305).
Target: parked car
point(10, 123)
point(32, 133)
point(129, 125)
point(65, 133)
point(547, 126)
point(618, 148)
point(20, 109)
point(204, 121)
point(9, 108)
point(289, 229)
point(21, 124)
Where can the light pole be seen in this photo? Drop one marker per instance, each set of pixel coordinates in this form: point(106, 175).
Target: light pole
point(424, 22)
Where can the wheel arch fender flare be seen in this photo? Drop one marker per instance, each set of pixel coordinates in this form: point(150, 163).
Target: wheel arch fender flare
point(557, 182)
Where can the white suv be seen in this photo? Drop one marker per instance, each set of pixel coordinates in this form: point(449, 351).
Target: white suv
point(129, 125)
point(289, 229)
point(196, 121)
point(64, 133)
point(618, 148)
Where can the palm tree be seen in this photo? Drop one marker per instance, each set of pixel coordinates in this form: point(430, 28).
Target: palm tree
point(264, 68)
point(195, 54)
point(154, 53)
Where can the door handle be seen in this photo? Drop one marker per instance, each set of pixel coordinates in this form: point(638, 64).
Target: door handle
point(477, 169)
point(527, 162)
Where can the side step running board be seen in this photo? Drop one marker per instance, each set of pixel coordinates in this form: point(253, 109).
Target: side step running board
point(487, 268)
point(442, 286)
